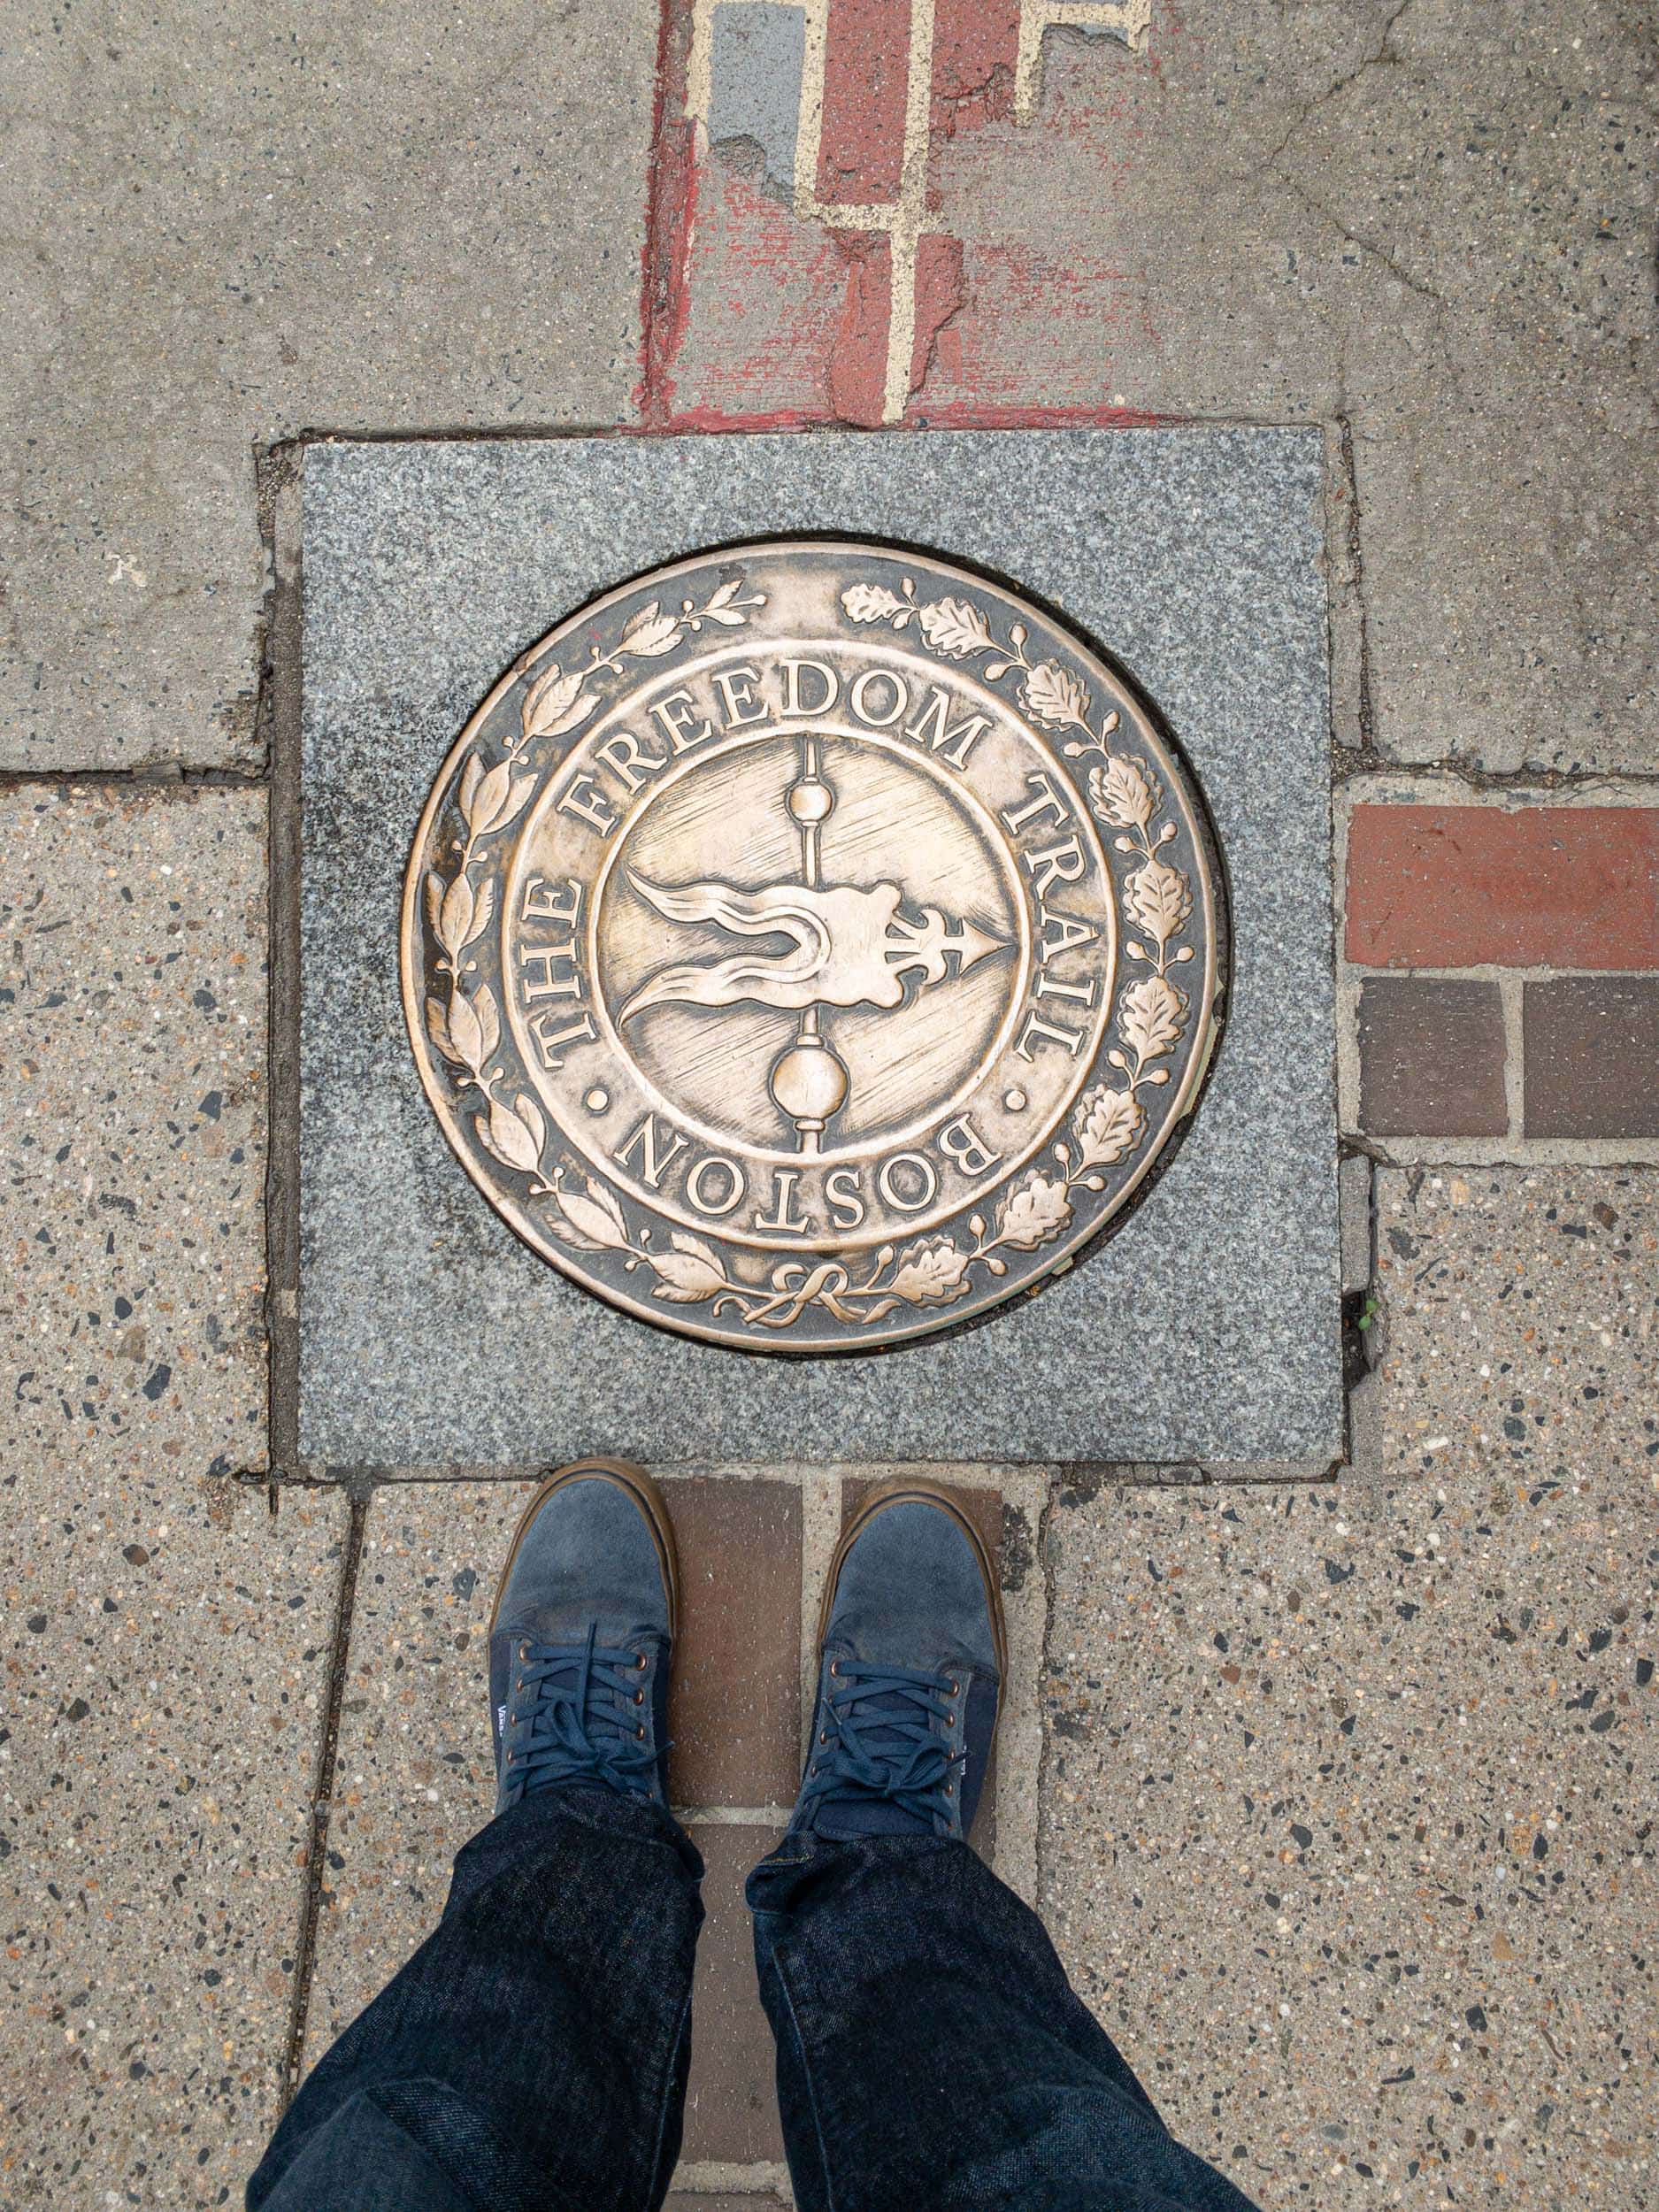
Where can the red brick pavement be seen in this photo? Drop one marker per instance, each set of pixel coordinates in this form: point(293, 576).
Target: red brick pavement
point(777, 303)
point(1503, 973)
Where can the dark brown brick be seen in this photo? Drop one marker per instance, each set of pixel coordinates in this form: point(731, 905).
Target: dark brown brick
point(736, 1711)
point(730, 2103)
point(1431, 1059)
point(678, 2202)
point(1592, 1056)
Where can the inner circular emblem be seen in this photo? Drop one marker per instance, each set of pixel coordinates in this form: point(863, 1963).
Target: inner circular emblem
point(810, 946)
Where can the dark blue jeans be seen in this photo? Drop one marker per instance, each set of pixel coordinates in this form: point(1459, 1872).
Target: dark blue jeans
point(532, 2055)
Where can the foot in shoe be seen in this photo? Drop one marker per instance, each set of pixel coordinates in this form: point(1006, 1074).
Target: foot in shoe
point(581, 1636)
point(912, 1653)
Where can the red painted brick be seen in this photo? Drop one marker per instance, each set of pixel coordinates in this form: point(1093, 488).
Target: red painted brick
point(858, 365)
point(975, 49)
point(939, 296)
point(1452, 886)
point(867, 74)
point(1431, 1058)
point(1590, 1046)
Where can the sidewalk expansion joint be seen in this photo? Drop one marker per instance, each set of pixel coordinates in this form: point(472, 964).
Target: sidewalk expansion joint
point(305, 1949)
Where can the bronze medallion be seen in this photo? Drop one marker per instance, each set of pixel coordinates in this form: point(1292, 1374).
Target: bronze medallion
point(811, 945)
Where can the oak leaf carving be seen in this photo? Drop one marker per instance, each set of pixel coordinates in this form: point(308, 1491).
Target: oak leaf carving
point(1108, 1124)
point(1124, 793)
point(1031, 1215)
point(1054, 695)
point(936, 1271)
point(955, 628)
point(1150, 1018)
point(874, 602)
point(1159, 898)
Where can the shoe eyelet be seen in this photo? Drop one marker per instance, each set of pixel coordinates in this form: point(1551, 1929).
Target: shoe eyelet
point(641, 1733)
point(639, 1697)
point(510, 1758)
point(822, 1735)
point(523, 1651)
point(518, 1685)
point(835, 1666)
point(956, 1689)
point(639, 1659)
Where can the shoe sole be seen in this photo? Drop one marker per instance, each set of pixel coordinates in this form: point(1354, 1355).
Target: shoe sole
point(645, 1494)
point(898, 1492)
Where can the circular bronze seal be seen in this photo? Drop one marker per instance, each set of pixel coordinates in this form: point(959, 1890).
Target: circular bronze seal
point(811, 945)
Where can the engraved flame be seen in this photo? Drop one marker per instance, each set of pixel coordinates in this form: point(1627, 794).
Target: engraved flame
point(848, 947)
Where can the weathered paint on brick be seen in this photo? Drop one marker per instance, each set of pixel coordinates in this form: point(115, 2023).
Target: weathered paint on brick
point(1452, 886)
point(975, 55)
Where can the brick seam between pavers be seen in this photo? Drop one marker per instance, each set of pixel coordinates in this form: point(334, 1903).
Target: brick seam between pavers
point(322, 1805)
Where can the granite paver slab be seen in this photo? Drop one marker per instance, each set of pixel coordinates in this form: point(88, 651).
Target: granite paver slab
point(1347, 1808)
point(166, 1637)
point(1207, 1329)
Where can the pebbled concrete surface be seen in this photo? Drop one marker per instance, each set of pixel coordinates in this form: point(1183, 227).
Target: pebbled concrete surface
point(133, 1078)
point(1366, 1769)
point(165, 1638)
point(425, 218)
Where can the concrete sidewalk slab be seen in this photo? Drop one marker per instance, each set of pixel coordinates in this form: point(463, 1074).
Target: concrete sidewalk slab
point(1206, 1329)
point(228, 227)
point(166, 1639)
point(1367, 1768)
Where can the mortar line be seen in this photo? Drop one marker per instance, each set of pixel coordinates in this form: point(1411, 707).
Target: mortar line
point(322, 1806)
point(1366, 704)
point(1511, 999)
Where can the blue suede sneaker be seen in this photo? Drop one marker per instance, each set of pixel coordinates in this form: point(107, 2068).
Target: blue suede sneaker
point(913, 1652)
point(580, 1638)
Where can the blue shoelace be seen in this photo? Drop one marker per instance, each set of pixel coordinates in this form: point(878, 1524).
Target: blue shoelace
point(882, 1741)
point(588, 1721)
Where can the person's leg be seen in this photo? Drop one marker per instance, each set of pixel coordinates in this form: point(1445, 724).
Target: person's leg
point(532, 2055)
point(930, 2050)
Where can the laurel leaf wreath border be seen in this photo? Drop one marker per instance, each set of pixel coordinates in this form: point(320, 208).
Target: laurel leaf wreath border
point(1106, 1123)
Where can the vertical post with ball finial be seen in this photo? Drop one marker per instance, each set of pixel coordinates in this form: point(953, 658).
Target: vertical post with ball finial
point(808, 1079)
